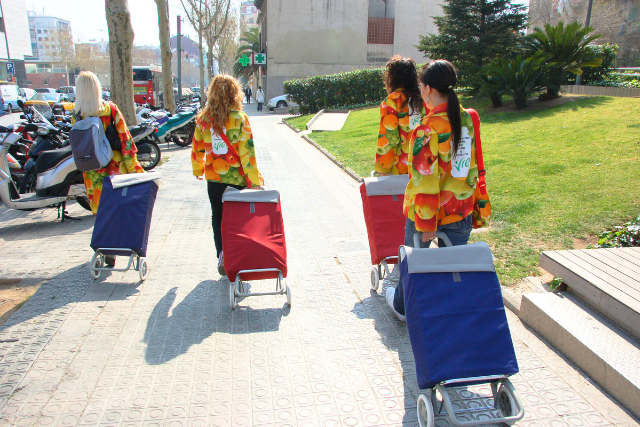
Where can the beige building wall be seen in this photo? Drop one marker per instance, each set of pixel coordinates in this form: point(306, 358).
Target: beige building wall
point(316, 37)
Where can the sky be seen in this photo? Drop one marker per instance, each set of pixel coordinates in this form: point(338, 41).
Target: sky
point(88, 18)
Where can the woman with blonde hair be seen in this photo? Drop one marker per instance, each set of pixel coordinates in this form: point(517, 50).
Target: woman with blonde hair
point(223, 151)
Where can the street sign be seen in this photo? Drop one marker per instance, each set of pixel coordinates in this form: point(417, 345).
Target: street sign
point(259, 59)
point(244, 60)
point(10, 68)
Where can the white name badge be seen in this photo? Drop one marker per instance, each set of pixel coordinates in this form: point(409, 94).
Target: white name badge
point(218, 145)
point(414, 118)
point(461, 160)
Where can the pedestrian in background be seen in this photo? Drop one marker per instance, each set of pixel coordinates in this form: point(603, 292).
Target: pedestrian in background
point(222, 151)
point(247, 93)
point(439, 196)
point(260, 98)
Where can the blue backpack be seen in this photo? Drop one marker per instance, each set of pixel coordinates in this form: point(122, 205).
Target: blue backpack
point(89, 144)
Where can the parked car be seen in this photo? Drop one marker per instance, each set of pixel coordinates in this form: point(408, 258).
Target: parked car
point(51, 99)
point(45, 90)
point(26, 93)
point(9, 96)
point(70, 91)
point(279, 102)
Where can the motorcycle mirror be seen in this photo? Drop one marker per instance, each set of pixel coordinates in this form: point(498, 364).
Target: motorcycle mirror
point(20, 104)
point(23, 117)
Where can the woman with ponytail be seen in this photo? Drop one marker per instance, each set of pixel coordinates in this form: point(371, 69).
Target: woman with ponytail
point(442, 168)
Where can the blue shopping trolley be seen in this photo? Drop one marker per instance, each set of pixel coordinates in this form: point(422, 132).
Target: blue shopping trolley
point(123, 221)
point(458, 329)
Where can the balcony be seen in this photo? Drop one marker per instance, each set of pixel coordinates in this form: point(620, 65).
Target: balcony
point(380, 40)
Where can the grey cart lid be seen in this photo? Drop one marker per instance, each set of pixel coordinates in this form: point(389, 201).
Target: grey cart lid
point(386, 185)
point(250, 195)
point(118, 181)
point(460, 259)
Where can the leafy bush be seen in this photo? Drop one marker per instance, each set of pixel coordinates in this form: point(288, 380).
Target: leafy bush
point(519, 77)
point(342, 90)
point(616, 81)
point(608, 53)
point(620, 237)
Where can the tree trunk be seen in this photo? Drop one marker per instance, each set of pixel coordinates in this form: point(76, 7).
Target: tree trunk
point(165, 48)
point(496, 100)
point(201, 58)
point(120, 47)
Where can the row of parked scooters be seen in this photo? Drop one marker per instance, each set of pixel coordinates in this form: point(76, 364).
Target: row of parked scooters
point(37, 169)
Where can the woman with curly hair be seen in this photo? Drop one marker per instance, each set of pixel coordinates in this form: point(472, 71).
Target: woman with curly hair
point(400, 112)
point(222, 152)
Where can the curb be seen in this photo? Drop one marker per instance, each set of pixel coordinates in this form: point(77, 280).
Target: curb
point(348, 170)
point(290, 126)
point(511, 300)
point(314, 118)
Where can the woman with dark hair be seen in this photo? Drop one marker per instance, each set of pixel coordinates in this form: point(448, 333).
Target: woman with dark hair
point(223, 150)
point(400, 112)
point(442, 167)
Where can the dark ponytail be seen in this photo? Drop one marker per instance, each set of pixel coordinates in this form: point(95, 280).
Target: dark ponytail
point(441, 75)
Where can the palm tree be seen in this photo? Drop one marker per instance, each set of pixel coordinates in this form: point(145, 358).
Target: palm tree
point(566, 49)
point(250, 43)
point(519, 77)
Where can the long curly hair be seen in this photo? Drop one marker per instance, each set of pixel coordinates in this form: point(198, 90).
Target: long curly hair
point(401, 73)
point(223, 95)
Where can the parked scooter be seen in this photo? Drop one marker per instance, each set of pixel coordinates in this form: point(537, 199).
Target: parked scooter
point(58, 180)
point(177, 128)
point(144, 136)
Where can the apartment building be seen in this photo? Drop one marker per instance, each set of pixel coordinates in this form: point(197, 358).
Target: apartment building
point(303, 38)
point(16, 30)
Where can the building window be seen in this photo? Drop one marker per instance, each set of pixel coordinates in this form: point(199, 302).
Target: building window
point(39, 31)
point(380, 31)
point(40, 39)
point(31, 68)
point(45, 31)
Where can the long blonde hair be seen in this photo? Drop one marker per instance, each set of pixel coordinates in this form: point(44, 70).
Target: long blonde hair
point(88, 94)
point(223, 95)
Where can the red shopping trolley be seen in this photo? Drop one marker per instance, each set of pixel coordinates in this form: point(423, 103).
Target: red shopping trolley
point(382, 199)
point(253, 241)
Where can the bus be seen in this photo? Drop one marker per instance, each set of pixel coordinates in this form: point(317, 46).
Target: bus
point(147, 82)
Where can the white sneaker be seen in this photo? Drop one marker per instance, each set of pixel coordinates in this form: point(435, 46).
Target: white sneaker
point(221, 265)
point(389, 297)
point(394, 276)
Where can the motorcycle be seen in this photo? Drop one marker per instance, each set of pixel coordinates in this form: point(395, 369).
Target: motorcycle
point(57, 180)
point(177, 128)
point(144, 136)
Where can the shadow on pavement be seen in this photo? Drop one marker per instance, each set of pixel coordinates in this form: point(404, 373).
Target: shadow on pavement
point(394, 336)
point(204, 311)
point(45, 226)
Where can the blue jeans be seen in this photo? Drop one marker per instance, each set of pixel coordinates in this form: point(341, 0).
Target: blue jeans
point(457, 232)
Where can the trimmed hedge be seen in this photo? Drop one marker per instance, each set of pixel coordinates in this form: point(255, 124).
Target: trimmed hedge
point(342, 90)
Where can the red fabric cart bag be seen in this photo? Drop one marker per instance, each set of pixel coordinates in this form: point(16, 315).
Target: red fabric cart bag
point(253, 233)
point(382, 199)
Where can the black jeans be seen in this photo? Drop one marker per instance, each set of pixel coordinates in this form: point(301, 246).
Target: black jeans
point(215, 190)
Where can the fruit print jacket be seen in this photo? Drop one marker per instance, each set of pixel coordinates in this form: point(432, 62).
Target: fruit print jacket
point(396, 123)
point(210, 155)
point(441, 184)
point(123, 162)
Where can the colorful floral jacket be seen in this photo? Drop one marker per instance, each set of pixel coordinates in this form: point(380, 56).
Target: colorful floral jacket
point(396, 123)
point(123, 162)
point(442, 184)
point(210, 155)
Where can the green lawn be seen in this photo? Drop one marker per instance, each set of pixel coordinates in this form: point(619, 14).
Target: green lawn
point(555, 176)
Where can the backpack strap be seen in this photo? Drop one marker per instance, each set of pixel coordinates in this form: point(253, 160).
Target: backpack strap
point(476, 131)
point(233, 151)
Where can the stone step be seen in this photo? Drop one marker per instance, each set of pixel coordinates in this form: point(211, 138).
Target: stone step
point(608, 355)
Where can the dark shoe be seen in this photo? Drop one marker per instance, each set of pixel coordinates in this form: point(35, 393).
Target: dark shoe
point(110, 260)
point(221, 265)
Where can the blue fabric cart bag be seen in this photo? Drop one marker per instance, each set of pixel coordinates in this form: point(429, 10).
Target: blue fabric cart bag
point(124, 216)
point(457, 324)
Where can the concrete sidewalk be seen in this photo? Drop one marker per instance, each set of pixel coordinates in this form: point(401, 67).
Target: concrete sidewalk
point(170, 351)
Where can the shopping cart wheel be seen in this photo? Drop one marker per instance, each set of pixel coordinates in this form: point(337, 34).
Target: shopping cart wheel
point(426, 417)
point(375, 278)
point(505, 400)
point(288, 291)
point(97, 261)
point(143, 269)
point(232, 295)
